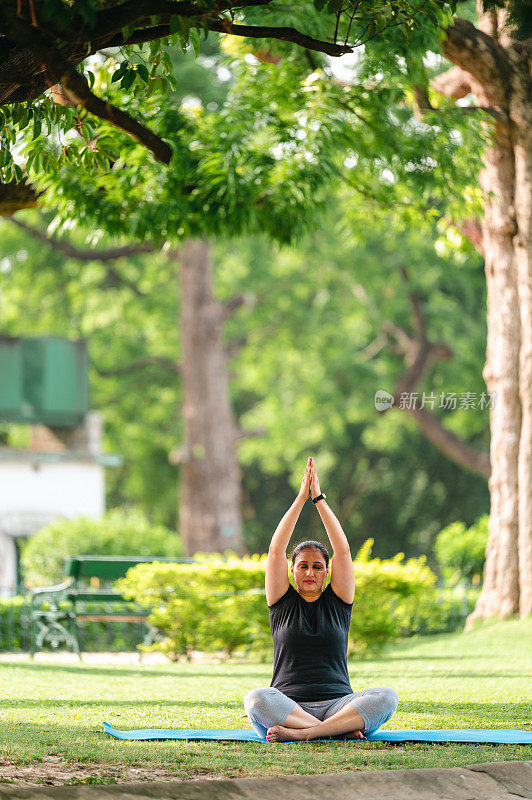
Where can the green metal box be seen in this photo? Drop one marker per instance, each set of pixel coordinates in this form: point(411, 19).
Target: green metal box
point(43, 379)
point(10, 375)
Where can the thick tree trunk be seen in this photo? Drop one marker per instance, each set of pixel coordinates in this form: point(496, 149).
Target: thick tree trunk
point(500, 593)
point(210, 508)
point(521, 113)
point(507, 230)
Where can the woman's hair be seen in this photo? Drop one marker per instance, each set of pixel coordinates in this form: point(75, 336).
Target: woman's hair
point(310, 544)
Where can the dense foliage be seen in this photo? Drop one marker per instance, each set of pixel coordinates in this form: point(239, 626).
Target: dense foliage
point(117, 532)
point(287, 141)
point(100, 100)
point(211, 606)
point(461, 551)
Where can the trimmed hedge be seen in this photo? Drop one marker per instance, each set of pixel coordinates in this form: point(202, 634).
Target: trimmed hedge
point(218, 606)
point(212, 606)
point(118, 532)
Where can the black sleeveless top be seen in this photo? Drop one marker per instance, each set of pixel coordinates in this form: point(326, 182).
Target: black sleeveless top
point(310, 645)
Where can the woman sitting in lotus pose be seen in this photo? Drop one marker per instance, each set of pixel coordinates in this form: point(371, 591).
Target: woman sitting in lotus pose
point(310, 695)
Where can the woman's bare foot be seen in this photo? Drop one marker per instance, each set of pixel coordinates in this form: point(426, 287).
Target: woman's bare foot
point(355, 735)
point(278, 733)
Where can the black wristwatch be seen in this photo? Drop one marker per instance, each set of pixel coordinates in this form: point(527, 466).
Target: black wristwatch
point(319, 497)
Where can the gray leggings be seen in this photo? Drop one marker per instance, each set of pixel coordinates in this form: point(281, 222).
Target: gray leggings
point(268, 706)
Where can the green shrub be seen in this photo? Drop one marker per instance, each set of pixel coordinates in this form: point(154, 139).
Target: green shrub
point(203, 606)
point(14, 624)
point(391, 595)
point(461, 551)
point(213, 606)
point(116, 533)
point(444, 611)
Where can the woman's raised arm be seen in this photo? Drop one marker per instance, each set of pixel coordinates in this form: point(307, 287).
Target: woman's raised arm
point(342, 571)
point(276, 566)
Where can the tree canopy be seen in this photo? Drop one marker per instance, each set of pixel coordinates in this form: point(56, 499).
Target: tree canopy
point(77, 77)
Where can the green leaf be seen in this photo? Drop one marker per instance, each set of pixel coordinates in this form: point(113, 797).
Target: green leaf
point(143, 72)
point(88, 130)
point(194, 38)
point(319, 4)
point(102, 162)
point(128, 79)
point(175, 23)
point(118, 73)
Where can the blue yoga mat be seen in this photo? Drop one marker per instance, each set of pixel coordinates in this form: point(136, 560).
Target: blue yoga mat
point(476, 735)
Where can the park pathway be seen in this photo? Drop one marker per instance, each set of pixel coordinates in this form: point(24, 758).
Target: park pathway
point(501, 780)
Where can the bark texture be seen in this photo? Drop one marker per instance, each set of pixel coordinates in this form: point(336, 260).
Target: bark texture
point(499, 74)
point(210, 505)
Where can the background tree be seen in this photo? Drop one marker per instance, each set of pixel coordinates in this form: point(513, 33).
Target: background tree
point(308, 360)
point(492, 63)
point(229, 179)
point(495, 58)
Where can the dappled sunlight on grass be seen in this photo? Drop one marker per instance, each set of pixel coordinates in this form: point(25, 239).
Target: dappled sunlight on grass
point(478, 679)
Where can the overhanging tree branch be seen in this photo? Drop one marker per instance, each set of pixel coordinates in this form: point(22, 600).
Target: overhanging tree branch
point(109, 254)
point(16, 196)
point(60, 70)
point(160, 361)
point(420, 353)
point(284, 34)
point(480, 55)
point(225, 26)
point(112, 277)
point(22, 72)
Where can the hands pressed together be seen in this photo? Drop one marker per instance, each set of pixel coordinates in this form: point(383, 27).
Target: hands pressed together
point(310, 482)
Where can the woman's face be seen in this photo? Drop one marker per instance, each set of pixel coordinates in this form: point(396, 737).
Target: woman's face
point(309, 571)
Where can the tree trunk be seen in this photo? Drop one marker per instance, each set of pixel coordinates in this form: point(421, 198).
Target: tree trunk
point(210, 507)
point(507, 230)
point(500, 593)
point(521, 112)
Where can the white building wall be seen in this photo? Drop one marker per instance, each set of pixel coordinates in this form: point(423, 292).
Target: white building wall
point(32, 494)
point(67, 488)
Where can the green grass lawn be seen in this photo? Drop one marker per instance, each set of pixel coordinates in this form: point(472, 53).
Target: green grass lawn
point(479, 679)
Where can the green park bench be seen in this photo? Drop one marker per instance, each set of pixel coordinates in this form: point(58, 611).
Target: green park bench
point(55, 610)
